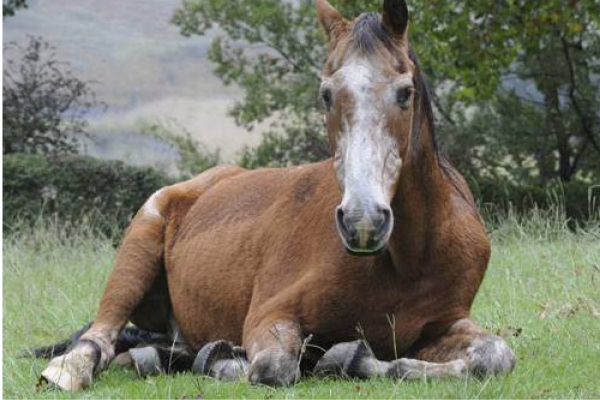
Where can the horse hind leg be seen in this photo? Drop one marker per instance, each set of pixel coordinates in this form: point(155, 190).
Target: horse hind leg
point(137, 265)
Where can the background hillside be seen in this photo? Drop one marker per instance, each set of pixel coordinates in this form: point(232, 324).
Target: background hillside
point(144, 69)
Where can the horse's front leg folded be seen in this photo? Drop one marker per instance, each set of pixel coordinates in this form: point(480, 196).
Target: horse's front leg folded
point(463, 350)
point(270, 357)
point(356, 360)
point(274, 350)
point(483, 353)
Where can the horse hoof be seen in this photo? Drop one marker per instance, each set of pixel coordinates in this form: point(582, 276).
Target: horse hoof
point(146, 361)
point(346, 360)
point(72, 371)
point(274, 368)
point(209, 355)
point(490, 356)
point(62, 377)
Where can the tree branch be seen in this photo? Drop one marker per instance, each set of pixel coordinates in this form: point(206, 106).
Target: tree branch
point(438, 105)
point(578, 156)
point(585, 123)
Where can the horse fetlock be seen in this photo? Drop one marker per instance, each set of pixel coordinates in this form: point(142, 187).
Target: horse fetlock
point(490, 355)
point(74, 370)
point(350, 359)
point(221, 360)
point(104, 341)
point(274, 368)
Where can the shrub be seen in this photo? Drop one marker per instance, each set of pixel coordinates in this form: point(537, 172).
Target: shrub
point(297, 144)
point(44, 104)
point(75, 190)
point(577, 200)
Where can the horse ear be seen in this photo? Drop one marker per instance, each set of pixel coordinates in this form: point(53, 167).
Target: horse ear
point(328, 16)
point(395, 17)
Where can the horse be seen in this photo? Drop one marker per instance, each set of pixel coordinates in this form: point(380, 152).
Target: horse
point(363, 265)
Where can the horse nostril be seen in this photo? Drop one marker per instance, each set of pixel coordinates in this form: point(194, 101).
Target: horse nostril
point(382, 220)
point(344, 223)
point(339, 217)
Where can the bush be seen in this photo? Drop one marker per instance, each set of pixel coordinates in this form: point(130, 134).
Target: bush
point(294, 146)
point(76, 190)
point(577, 200)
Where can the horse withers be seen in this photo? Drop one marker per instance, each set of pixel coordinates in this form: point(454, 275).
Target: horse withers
point(374, 256)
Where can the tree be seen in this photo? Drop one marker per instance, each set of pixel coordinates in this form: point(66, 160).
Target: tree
point(44, 105)
point(544, 118)
point(9, 7)
point(274, 50)
point(290, 143)
point(194, 157)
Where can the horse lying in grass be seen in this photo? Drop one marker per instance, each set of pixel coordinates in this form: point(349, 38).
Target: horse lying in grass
point(375, 255)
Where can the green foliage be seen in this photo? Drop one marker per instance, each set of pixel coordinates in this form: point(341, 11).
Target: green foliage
point(270, 48)
point(75, 190)
point(302, 142)
point(576, 201)
point(194, 157)
point(498, 141)
point(44, 105)
point(274, 50)
point(9, 7)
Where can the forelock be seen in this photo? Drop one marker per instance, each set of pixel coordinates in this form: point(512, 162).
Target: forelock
point(368, 34)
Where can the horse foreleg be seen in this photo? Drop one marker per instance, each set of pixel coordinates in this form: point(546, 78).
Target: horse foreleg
point(484, 354)
point(464, 350)
point(356, 360)
point(137, 265)
point(274, 350)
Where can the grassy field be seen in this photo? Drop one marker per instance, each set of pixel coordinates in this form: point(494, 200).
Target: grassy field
point(541, 293)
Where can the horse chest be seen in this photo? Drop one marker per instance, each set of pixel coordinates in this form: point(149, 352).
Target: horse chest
point(375, 311)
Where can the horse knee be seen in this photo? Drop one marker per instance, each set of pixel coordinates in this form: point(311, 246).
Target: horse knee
point(490, 355)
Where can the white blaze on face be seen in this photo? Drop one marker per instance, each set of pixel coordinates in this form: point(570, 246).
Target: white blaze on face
point(367, 158)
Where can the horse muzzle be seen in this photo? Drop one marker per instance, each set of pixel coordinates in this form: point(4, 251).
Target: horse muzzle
point(364, 233)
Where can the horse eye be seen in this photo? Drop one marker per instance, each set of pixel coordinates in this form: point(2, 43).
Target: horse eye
point(326, 98)
point(403, 97)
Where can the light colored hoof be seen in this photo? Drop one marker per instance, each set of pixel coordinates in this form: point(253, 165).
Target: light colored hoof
point(71, 372)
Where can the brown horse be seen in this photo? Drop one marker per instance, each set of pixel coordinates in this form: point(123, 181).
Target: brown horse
point(375, 255)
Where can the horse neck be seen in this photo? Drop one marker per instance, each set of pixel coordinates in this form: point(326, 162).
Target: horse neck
point(420, 203)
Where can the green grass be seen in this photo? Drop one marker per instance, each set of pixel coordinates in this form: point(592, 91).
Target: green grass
point(541, 292)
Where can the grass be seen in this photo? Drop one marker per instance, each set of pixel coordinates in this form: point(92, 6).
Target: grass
point(541, 292)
